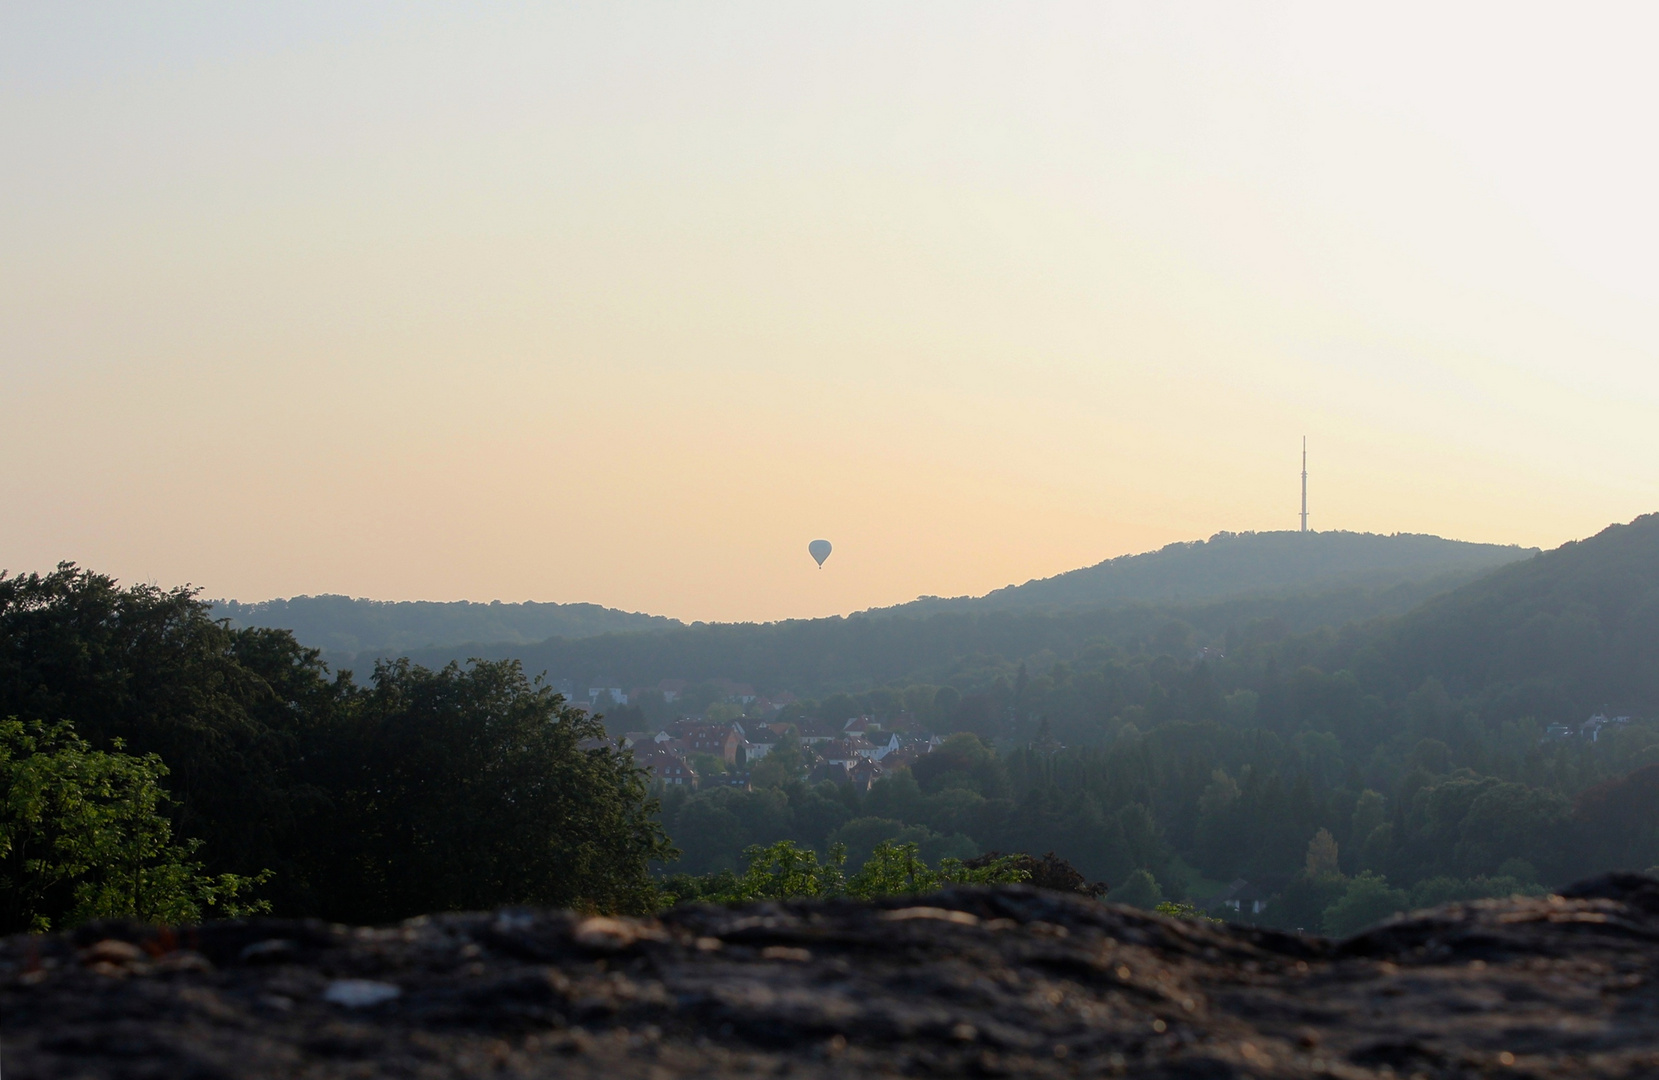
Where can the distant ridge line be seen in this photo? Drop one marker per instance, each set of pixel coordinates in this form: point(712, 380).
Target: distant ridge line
point(1220, 567)
point(1227, 565)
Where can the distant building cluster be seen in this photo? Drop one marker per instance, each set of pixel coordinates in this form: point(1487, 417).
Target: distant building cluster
point(856, 750)
point(1590, 731)
point(603, 697)
point(1246, 897)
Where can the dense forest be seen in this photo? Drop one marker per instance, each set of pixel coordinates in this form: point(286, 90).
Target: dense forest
point(1346, 772)
point(1242, 564)
point(822, 656)
point(1304, 580)
point(1341, 768)
point(345, 627)
point(201, 751)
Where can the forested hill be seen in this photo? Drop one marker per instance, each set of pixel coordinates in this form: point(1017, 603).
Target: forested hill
point(1574, 629)
point(1299, 578)
point(1242, 564)
point(818, 656)
point(342, 625)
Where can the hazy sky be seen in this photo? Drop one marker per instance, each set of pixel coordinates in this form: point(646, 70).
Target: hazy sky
point(627, 303)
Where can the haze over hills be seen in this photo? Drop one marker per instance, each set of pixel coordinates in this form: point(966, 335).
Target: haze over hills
point(1575, 629)
point(1454, 751)
point(1244, 591)
point(349, 625)
point(813, 657)
point(1239, 564)
point(1556, 634)
point(1358, 575)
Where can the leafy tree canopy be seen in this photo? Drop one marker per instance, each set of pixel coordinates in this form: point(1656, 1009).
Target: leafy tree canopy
point(468, 786)
point(82, 837)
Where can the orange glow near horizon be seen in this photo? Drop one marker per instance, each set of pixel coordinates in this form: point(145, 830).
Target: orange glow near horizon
point(626, 304)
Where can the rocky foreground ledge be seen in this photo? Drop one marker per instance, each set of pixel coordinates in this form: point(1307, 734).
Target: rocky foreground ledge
point(989, 981)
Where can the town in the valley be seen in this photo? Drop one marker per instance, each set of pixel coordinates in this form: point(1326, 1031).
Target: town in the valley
point(717, 750)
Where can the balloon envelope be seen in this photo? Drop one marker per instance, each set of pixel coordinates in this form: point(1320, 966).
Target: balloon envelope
point(820, 550)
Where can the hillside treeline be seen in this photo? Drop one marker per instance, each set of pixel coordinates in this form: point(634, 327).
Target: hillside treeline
point(1302, 579)
point(1438, 754)
point(345, 626)
point(1345, 770)
point(1242, 564)
point(1557, 634)
point(133, 711)
point(822, 656)
point(1186, 788)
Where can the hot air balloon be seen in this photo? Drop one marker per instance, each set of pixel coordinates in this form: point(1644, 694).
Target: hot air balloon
point(819, 549)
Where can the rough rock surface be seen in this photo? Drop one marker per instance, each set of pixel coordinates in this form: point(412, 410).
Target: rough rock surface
point(1004, 981)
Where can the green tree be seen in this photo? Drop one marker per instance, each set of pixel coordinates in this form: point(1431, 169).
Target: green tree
point(1140, 889)
point(785, 762)
point(1444, 890)
point(461, 789)
point(1509, 821)
point(233, 713)
point(721, 712)
point(961, 761)
point(707, 766)
point(1323, 859)
point(1366, 900)
point(786, 871)
point(862, 836)
point(895, 869)
point(82, 837)
point(1370, 812)
point(1304, 901)
point(1178, 910)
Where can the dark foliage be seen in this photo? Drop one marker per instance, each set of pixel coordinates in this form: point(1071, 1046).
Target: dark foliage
point(1573, 629)
point(343, 626)
point(1049, 872)
point(229, 712)
point(1228, 589)
point(426, 790)
point(463, 789)
point(1243, 564)
point(1423, 745)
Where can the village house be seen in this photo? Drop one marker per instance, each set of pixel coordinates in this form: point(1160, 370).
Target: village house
point(1248, 898)
point(1590, 731)
point(833, 771)
point(1592, 728)
point(667, 766)
point(848, 751)
point(720, 740)
point(813, 731)
point(910, 749)
point(892, 744)
point(865, 773)
point(734, 691)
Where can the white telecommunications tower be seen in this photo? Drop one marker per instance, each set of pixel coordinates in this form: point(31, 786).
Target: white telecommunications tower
point(1304, 483)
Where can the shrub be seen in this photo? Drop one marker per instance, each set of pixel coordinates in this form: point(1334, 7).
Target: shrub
point(1140, 890)
point(82, 837)
point(785, 871)
point(1368, 899)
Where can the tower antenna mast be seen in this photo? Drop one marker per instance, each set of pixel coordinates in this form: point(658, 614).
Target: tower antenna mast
point(1304, 483)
